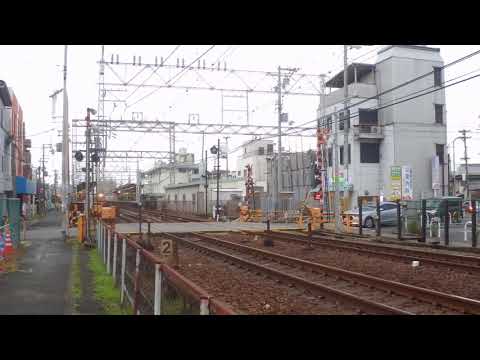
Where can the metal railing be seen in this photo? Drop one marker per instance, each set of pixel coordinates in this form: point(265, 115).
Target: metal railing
point(150, 286)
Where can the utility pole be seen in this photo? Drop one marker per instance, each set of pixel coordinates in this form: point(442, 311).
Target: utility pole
point(464, 137)
point(338, 226)
point(87, 181)
point(346, 120)
point(280, 118)
point(279, 159)
point(226, 152)
point(217, 213)
point(55, 176)
point(44, 198)
point(206, 185)
point(65, 149)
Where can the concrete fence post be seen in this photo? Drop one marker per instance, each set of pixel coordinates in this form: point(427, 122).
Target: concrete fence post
point(105, 234)
point(124, 256)
point(97, 237)
point(158, 290)
point(102, 236)
point(109, 246)
point(204, 306)
point(474, 223)
point(465, 232)
point(114, 270)
point(136, 283)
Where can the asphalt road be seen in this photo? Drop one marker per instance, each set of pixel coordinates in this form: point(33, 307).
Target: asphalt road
point(41, 284)
point(456, 234)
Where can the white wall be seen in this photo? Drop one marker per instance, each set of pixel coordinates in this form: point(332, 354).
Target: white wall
point(410, 132)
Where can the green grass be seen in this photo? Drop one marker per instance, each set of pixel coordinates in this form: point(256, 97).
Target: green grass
point(76, 289)
point(104, 289)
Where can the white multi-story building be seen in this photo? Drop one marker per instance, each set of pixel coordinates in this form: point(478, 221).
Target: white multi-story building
point(386, 127)
point(162, 174)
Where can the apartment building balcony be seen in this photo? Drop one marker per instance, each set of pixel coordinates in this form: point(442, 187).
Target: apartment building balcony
point(364, 132)
point(355, 90)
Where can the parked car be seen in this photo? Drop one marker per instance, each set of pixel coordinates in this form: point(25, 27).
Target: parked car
point(388, 215)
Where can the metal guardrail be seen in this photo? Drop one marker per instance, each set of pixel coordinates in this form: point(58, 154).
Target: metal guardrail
point(150, 286)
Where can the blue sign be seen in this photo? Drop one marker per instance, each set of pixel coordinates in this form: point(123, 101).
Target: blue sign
point(25, 186)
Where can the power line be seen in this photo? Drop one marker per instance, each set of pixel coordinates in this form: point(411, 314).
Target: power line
point(401, 101)
point(401, 85)
point(178, 74)
point(40, 133)
point(379, 107)
point(153, 73)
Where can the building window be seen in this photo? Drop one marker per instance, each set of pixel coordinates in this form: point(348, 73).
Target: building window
point(369, 153)
point(341, 155)
point(367, 117)
point(184, 197)
point(329, 122)
point(261, 151)
point(269, 148)
point(437, 76)
point(349, 153)
point(438, 114)
point(330, 156)
point(440, 150)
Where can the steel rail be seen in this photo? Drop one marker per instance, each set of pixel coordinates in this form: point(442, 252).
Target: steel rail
point(466, 263)
point(363, 305)
point(458, 303)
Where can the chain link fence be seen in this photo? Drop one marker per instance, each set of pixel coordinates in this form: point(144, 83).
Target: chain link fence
point(448, 221)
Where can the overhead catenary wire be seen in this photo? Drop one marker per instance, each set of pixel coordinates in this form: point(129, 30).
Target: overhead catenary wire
point(375, 108)
point(153, 72)
point(169, 83)
point(382, 93)
point(402, 84)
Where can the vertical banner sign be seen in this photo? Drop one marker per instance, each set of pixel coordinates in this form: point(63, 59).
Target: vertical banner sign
point(396, 182)
point(435, 173)
point(407, 183)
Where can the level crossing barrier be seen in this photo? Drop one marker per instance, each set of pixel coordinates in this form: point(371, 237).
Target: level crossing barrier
point(147, 284)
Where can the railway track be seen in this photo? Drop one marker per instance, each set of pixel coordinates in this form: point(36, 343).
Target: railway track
point(153, 216)
point(368, 294)
point(470, 264)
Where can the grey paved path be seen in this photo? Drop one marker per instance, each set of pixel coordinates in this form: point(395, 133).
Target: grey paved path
point(41, 286)
point(203, 227)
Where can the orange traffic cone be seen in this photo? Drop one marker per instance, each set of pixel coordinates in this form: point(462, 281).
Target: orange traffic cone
point(2, 245)
point(9, 250)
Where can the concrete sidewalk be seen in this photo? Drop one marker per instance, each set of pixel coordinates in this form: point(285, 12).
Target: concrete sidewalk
point(41, 283)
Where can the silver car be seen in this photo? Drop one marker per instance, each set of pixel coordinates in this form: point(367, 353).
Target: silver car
point(388, 215)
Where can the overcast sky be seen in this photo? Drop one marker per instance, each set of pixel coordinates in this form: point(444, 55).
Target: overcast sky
point(35, 72)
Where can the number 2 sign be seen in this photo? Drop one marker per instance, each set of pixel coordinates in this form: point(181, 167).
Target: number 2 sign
point(166, 247)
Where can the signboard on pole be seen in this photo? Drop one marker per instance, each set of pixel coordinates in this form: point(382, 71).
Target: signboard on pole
point(396, 182)
point(407, 183)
